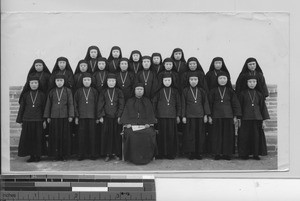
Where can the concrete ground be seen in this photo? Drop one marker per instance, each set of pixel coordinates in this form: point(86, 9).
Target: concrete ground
point(268, 162)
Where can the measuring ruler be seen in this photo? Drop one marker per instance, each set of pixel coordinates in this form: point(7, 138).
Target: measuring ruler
point(74, 187)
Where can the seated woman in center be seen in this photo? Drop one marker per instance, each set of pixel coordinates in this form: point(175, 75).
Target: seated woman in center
point(139, 134)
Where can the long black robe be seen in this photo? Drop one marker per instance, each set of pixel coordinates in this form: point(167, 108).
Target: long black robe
point(166, 113)
point(222, 131)
point(251, 136)
point(32, 124)
point(139, 146)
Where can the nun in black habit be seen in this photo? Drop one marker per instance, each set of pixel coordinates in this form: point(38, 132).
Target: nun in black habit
point(40, 70)
point(251, 136)
point(114, 59)
point(214, 70)
point(30, 116)
point(66, 71)
point(180, 63)
point(198, 71)
point(225, 109)
point(251, 67)
point(139, 135)
point(156, 66)
point(82, 68)
point(135, 66)
point(92, 54)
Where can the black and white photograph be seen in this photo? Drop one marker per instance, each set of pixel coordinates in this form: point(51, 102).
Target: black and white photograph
point(158, 92)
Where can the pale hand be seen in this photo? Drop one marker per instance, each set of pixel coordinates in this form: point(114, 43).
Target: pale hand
point(44, 124)
point(76, 121)
point(184, 120)
point(48, 120)
point(101, 120)
point(177, 120)
point(263, 125)
point(205, 118)
point(210, 121)
point(70, 119)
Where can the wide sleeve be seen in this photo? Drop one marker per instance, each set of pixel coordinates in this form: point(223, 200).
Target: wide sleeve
point(178, 104)
point(76, 105)
point(21, 110)
point(43, 100)
point(211, 100)
point(70, 103)
point(70, 79)
point(264, 110)
point(155, 84)
point(238, 84)
point(205, 103)
point(100, 105)
point(47, 110)
point(264, 86)
point(241, 99)
point(183, 102)
point(204, 83)
point(155, 102)
point(121, 101)
point(235, 104)
point(208, 80)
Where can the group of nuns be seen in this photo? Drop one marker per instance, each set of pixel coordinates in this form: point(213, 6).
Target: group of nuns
point(142, 108)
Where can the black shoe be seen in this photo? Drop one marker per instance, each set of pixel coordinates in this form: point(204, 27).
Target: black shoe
point(93, 158)
point(37, 159)
point(191, 157)
point(31, 159)
point(226, 157)
point(81, 158)
point(256, 158)
point(63, 158)
point(159, 157)
point(199, 157)
point(244, 157)
point(107, 158)
point(117, 158)
point(217, 157)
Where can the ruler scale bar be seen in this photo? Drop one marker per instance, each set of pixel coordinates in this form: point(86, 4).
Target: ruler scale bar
point(77, 187)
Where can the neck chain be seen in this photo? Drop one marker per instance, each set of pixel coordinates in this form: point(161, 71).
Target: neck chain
point(158, 68)
point(194, 95)
point(123, 79)
point(102, 78)
point(33, 99)
point(252, 72)
point(86, 96)
point(146, 78)
point(179, 65)
point(111, 98)
point(169, 96)
point(93, 65)
point(136, 69)
point(59, 96)
point(222, 94)
point(252, 99)
point(114, 64)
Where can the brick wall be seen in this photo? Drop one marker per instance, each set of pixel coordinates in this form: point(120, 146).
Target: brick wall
point(271, 129)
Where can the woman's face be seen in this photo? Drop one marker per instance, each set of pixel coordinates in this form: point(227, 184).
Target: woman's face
point(62, 65)
point(135, 57)
point(139, 91)
point(38, 67)
point(115, 54)
point(93, 53)
point(218, 65)
point(177, 55)
point(251, 65)
point(83, 67)
point(192, 65)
